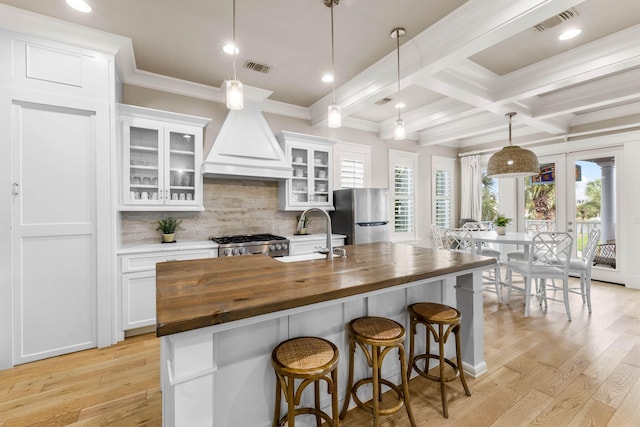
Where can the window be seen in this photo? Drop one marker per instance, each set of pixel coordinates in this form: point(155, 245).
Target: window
point(402, 192)
point(352, 165)
point(351, 173)
point(443, 196)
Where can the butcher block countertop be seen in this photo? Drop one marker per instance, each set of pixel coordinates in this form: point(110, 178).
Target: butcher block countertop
point(203, 292)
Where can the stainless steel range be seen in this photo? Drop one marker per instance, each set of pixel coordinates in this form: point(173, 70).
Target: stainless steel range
point(251, 244)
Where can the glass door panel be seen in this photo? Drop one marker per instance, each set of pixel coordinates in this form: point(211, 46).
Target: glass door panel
point(144, 164)
point(300, 181)
point(320, 178)
point(181, 166)
point(592, 203)
point(540, 199)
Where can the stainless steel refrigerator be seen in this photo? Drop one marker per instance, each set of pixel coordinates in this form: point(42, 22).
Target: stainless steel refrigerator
point(362, 214)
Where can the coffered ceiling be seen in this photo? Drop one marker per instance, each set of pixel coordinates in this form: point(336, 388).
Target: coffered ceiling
point(464, 64)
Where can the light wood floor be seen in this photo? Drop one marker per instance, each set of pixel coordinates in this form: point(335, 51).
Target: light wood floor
point(543, 371)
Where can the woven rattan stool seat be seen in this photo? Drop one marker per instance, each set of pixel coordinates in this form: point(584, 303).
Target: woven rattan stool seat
point(377, 328)
point(431, 315)
point(377, 336)
point(436, 313)
point(308, 360)
point(306, 353)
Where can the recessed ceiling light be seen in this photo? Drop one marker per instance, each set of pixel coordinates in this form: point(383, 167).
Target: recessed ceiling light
point(569, 34)
point(400, 104)
point(230, 49)
point(80, 5)
point(327, 78)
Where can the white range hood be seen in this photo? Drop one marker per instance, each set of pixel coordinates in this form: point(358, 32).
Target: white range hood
point(246, 146)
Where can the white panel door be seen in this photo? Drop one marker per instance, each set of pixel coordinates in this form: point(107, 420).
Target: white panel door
point(54, 231)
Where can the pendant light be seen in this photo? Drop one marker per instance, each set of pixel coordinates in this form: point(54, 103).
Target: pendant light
point(512, 161)
point(334, 115)
point(234, 87)
point(399, 130)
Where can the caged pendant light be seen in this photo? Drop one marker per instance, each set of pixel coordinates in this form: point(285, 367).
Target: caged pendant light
point(512, 161)
point(334, 115)
point(234, 87)
point(399, 130)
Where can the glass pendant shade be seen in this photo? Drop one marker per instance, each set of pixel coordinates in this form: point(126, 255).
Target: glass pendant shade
point(399, 132)
point(334, 116)
point(511, 162)
point(234, 95)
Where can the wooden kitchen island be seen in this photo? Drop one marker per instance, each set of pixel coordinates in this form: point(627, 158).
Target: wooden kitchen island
point(220, 318)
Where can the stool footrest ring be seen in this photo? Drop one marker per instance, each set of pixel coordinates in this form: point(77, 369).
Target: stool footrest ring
point(456, 369)
point(367, 406)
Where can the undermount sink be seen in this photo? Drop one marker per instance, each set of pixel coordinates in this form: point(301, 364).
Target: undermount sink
point(297, 258)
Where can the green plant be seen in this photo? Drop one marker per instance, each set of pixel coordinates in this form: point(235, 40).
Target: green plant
point(501, 221)
point(169, 225)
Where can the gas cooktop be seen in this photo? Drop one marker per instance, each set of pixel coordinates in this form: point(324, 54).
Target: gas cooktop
point(246, 238)
point(249, 244)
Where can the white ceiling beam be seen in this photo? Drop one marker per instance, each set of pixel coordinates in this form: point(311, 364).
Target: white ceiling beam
point(473, 27)
point(632, 109)
point(615, 53)
point(453, 86)
point(600, 93)
point(436, 113)
point(478, 124)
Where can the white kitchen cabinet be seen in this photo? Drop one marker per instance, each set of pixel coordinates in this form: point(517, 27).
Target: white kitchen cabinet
point(307, 244)
point(138, 277)
point(311, 158)
point(161, 160)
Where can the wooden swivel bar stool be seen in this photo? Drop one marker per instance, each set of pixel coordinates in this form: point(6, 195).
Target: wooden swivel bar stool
point(380, 335)
point(430, 314)
point(310, 360)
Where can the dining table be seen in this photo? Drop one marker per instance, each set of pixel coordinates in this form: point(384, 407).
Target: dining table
point(510, 238)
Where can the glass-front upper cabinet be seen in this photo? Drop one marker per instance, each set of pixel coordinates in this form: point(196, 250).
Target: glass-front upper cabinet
point(161, 155)
point(311, 160)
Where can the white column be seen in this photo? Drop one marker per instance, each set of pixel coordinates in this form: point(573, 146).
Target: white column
point(607, 201)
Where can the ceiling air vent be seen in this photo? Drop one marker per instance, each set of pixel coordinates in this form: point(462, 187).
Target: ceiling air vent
point(556, 20)
point(255, 66)
point(382, 101)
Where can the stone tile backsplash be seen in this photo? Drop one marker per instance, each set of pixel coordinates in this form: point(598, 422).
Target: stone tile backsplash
point(232, 206)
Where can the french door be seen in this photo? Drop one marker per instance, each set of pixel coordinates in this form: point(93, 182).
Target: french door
point(577, 192)
point(592, 202)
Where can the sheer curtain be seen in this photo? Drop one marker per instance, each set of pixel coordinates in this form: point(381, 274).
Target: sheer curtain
point(471, 188)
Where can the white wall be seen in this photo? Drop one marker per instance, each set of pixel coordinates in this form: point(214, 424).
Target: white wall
point(630, 212)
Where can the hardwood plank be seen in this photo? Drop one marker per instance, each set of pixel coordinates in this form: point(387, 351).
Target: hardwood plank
point(627, 413)
point(564, 408)
point(526, 408)
point(593, 413)
point(617, 385)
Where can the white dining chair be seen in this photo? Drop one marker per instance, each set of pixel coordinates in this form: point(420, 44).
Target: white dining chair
point(532, 228)
point(482, 249)
point(581, 267)
point(549, 258)
point(461, 240)
point(436, 236)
